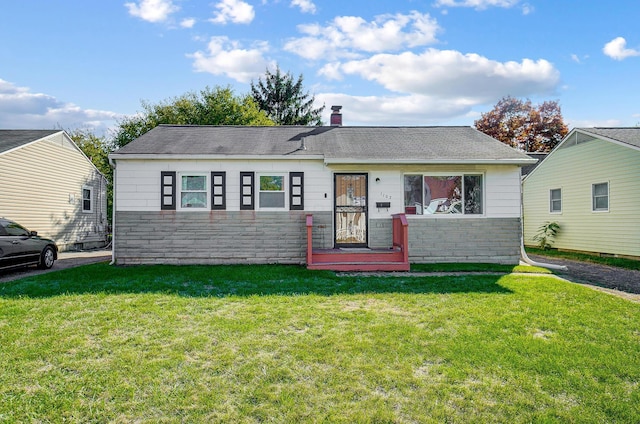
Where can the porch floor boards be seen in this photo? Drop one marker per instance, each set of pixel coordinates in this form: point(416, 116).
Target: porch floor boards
point(359, 260)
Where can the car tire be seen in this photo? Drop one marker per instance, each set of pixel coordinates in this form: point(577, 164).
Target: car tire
point(47, 257)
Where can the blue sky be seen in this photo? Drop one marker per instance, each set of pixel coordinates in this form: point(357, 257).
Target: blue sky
point(86, 64)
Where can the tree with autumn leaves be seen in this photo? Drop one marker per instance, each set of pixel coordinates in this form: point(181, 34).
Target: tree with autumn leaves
point(524, 126)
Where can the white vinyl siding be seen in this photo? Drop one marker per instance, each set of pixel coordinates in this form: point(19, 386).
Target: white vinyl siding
point(577, 168)
point(138, 185)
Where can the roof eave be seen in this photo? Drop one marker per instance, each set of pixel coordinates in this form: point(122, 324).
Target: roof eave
point(521, 162)
point(603, 137)
point(155, 156)
point(29, 143)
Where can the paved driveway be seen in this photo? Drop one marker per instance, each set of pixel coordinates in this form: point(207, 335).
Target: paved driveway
point(623, 282)
point(65, 260)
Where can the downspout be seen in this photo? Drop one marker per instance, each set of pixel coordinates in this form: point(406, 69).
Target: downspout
point(523, 253)
point(112, 163)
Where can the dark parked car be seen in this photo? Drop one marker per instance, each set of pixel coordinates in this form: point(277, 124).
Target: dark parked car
point(21, 247)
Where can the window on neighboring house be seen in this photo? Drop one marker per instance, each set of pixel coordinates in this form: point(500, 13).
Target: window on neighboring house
point(443, 194)
point(193, 191)
point(87, 199)
point(271, 193)
point(600, 195)
point(555, 200)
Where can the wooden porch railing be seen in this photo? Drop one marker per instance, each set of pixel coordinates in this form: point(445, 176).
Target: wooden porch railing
point(309, 239)
point(401, 234)
point(395, 259)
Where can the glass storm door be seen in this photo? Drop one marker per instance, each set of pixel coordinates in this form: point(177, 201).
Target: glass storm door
point(351, 210)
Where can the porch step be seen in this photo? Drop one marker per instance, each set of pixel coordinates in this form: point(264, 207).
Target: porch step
point(360, 266)
point(357, 256)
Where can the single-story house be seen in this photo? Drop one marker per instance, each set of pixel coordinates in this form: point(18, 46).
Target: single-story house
point(48, 185)
point(291, 194)
point(589, 185)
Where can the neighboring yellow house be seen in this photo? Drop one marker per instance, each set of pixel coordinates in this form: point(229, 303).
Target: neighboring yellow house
point(590, 185)
point(48, 185)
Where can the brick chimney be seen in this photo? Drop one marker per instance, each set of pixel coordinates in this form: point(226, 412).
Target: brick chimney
point(336, 116)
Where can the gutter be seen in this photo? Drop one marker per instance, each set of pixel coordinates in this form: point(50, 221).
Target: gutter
point(531, 262)
point(329, 161)
point(523, 254)
point(165, 156)
point(112, 163)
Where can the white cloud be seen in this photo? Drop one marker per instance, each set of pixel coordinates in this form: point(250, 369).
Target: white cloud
point(22, 108)
point(477, 4)
point(585, 123)
point(152, 10)
point(579, 59)
point(412, 109)
point(616, 49)
point(349, 36)
point(236, 11)
point(451, 74)
point(527, 9)
point(226, 57)
point(188, 23)
point(306, 6)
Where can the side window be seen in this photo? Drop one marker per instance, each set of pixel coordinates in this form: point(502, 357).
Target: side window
point(87, 199)
point(246, 191)
point(555, 200)
point(272, 191)
point(193, 191)
point(296, 191)
point(600, 197)
point(413, 194)
point(218, 191)
point(473, 194)
point(168, 190)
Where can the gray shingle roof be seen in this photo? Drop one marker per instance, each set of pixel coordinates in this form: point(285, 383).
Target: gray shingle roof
point(10, 139)
point(627, 135)
point(373, 144)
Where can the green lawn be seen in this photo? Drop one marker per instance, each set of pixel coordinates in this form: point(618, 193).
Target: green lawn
point(249, 344)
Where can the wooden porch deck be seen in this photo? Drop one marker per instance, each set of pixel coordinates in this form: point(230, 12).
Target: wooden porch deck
point(395, 258)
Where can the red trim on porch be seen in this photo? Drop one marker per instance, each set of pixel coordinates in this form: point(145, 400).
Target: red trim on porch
point(395, 258)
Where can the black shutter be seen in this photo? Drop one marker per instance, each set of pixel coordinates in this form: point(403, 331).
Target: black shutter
point(218, 190)
point(247, 195)
point(167, 190)
point(296, 191)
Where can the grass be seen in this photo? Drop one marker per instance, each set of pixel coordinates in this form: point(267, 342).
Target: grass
point(253, 344)
point(585, 257)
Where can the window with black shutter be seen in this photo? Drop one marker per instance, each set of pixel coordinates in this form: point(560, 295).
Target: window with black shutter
point(247, 191)
point(296, 191)
point(168, 190)
point(218, 191)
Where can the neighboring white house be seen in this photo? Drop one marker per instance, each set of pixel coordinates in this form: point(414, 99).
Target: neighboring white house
point(589, 184)
point(48, 185)
point(233, 194)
